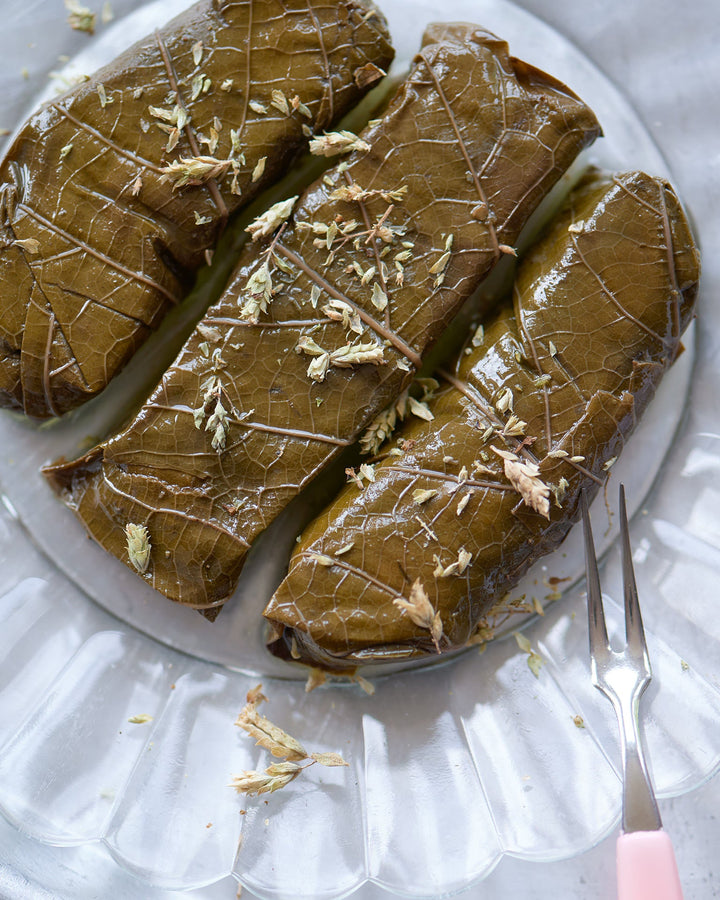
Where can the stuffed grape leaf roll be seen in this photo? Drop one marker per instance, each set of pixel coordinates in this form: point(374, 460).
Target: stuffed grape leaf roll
point(536, 410)
point(325, 322)
point(112, 193)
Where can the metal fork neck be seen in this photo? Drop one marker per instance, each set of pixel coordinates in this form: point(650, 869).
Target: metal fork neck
point(640, 811)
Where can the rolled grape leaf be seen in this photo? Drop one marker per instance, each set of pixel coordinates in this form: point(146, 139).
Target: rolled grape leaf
point(325, 322)
point(536, 410)
point(112, 193)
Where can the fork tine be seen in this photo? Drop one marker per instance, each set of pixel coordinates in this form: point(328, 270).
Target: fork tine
point(634, 631)
point(597, 629)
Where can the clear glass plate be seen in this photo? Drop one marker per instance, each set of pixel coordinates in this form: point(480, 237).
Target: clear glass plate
point(491, 760)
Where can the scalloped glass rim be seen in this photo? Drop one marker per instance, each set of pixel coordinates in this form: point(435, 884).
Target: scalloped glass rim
point(478, 741)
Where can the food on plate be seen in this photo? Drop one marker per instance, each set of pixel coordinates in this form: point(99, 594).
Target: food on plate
point(112, 193)
point(329, 315)
point(535, 411)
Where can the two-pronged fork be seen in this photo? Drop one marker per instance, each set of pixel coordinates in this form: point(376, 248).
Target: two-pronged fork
point(646, 867)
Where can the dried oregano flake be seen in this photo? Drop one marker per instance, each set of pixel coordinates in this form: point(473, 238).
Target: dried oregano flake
point(259, 169)
point(534, 660)
point(422, 495)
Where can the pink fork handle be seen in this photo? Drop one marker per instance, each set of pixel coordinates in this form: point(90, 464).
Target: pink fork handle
point(646, 867)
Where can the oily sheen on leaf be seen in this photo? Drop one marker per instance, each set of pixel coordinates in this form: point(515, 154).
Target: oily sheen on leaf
point(530, 415)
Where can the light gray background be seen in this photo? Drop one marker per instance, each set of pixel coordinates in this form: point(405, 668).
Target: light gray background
point(664, 55)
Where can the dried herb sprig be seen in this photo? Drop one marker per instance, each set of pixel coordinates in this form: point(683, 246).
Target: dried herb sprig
point(534, 659)
point(281, 745)
point(420, 610)
point(525, 478)
point(195, 170)
point(343, 357)
point(218, 422)
point(357, 194)
point(383, 425)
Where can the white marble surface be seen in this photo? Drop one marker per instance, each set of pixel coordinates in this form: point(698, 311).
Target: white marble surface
point(642, 45)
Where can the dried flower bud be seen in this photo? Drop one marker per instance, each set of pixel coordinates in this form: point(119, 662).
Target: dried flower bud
point(525, 478)
point(195, 170)
point(138, 546)
point(318, 368)
point(259, 293)
point(421, 612)
point(253, 783)
point(505, 402)
point(514, 427)
point(379, 430)
point(357, 354)
point(335, 143)
point(272, 218)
